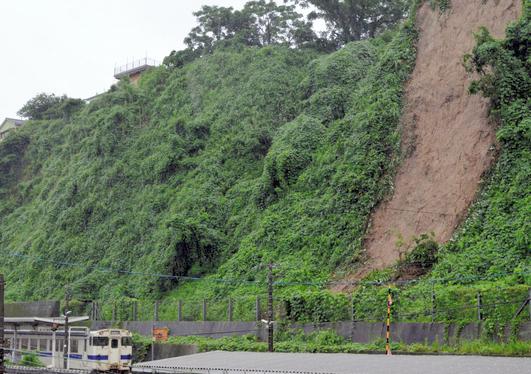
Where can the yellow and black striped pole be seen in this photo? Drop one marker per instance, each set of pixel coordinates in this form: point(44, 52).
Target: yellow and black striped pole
point(388, 323)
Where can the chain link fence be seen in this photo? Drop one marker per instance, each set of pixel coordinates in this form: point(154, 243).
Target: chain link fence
point(431, 303)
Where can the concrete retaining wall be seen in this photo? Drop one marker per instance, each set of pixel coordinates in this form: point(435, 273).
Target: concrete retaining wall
point(162, 351)
point(210, 328)
point(33, 309)
point(359, 332)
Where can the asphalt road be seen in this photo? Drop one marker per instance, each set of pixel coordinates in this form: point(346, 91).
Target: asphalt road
point(253, 362)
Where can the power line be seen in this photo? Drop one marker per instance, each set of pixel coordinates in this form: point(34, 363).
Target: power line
point(129, 272)
point(401, 282)
point(276, 283)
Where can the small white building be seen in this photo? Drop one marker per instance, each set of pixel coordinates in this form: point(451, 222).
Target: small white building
point(8, 125)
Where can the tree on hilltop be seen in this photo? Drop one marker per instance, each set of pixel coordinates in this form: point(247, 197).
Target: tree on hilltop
point(259, 23)
point(352, 20)
point(50, 106)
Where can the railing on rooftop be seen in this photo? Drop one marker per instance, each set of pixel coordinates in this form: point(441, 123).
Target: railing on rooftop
point(135, 65)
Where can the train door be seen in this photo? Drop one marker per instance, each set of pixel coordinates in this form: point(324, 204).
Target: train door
point(114, 351)
point(126, 352)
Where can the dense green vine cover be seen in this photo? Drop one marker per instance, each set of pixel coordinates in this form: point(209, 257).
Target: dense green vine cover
point(238, 158)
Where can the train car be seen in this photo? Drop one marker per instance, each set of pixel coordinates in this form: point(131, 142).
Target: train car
point(106, 350)
point(110, 350)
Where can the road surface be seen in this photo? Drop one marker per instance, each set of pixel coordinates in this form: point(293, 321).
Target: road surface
point(218, 362)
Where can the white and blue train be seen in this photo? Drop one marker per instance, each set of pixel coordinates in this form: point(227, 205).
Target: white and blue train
point(100, 350)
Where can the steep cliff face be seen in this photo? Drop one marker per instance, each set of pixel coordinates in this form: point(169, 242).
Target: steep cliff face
point(448, 140)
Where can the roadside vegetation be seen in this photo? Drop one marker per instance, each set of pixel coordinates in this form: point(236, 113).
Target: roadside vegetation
point(31, 359)
point(328, 342)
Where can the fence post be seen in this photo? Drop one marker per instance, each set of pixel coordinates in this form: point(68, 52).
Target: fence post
point(352, 312)
point(270, 306)
point(352, 318)
point(180, 310)
point(257, 309)
point(479, 306)
point(230, 309)
point(96, 311)
point(204, 310)
point(135, 310)
point(529, 303)
point(156, 311)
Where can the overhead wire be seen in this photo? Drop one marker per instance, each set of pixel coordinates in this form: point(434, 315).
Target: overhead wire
point(446, 280)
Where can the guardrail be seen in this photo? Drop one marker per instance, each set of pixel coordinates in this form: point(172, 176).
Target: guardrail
point(143, 62)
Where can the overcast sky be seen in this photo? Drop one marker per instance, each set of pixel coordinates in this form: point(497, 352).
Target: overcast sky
point(72, 46)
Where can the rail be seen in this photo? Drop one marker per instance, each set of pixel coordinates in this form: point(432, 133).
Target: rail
point(18, 369)
point(135, 65)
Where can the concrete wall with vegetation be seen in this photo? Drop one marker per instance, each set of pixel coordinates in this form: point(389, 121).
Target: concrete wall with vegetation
point(359, 332)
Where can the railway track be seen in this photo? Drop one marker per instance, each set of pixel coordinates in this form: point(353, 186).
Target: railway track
point(15, 369)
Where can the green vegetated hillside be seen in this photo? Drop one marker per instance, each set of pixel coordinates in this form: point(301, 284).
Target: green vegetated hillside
point(245, 156)
point(238, 158)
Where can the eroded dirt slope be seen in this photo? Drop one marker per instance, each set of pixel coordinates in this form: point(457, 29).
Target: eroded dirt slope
point(447, 136)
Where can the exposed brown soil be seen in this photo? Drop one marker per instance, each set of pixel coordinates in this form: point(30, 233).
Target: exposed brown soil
point(448, 141)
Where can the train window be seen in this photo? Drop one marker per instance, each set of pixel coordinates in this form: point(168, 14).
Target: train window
point(114, 343)
point(9, 341)
point(23, 343)
point(59, 345)
point(100, 341)
point(33, 344)
point(43, 344)
point(127, 341)
point(74, 346)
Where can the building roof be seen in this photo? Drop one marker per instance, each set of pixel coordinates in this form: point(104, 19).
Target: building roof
point(44, 321)
point(331, 363)
point(16, 121)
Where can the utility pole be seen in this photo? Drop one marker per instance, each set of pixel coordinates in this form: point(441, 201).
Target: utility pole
point(2, 365)
point(67, 333)
point(153, 324)
point(270, 308)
